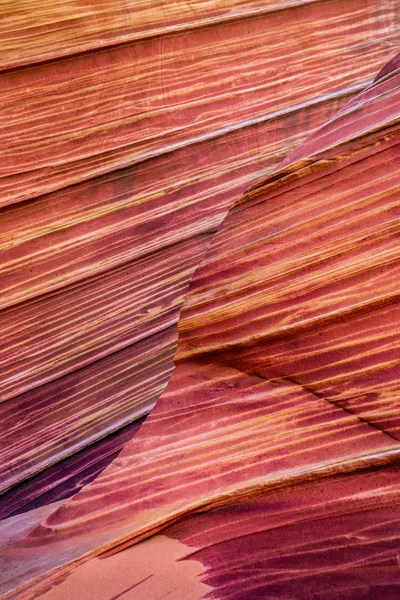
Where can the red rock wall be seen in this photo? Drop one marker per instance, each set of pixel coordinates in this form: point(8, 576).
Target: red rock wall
point(281, 419)
point(126, 136)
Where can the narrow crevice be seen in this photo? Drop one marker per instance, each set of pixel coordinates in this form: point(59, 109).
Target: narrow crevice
point(338, 405)
point(311, 391)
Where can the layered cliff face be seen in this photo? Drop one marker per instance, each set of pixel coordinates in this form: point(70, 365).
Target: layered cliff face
point(270, 464)
point(127, 133)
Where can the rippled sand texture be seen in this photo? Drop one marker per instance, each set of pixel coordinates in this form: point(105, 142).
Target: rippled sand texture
point(281, 420)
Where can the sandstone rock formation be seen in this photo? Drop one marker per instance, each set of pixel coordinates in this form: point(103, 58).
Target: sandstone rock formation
point(127, 133)
point(273, 455)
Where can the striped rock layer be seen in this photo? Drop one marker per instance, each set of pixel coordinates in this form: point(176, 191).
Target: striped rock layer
point(127, 133)
point(65, 478)
point(273, 456)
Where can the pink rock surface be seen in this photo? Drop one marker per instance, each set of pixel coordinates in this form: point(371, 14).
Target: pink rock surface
point(127, 134)
point(281, 418)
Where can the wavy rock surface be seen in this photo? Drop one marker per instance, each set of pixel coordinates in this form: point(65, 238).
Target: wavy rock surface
point(126, 136)
point(326, 539)
point(281, 418)
point(67, 476)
